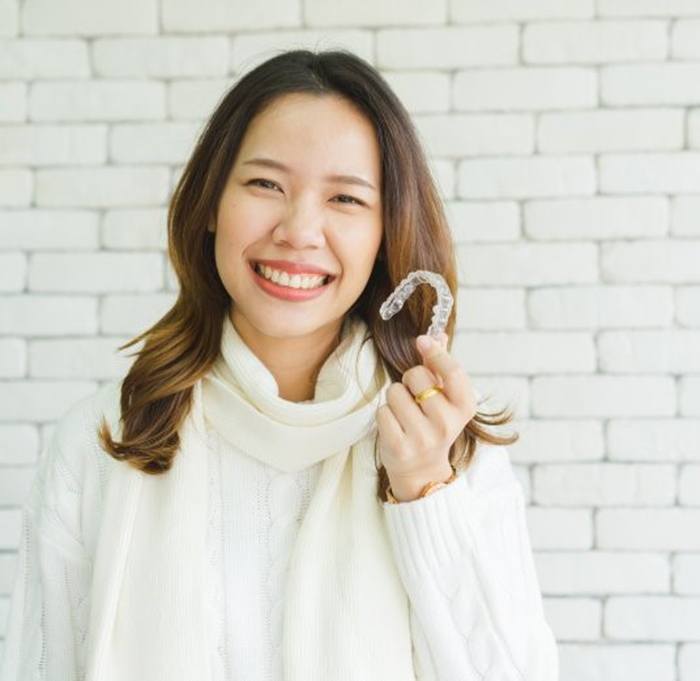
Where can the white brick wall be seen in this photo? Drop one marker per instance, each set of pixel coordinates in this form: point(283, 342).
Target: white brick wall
point(565, 138)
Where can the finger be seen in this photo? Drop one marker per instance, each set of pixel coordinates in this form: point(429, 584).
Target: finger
point(413, 421)
point(455, 382)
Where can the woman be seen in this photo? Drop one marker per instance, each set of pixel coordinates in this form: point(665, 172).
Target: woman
point(284, 485)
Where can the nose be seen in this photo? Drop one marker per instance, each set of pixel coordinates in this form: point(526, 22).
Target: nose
point(301, 227)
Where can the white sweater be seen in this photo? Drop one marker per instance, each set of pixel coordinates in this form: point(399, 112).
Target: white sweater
point(463, 607)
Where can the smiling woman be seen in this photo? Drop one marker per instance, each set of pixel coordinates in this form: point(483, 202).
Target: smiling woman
point(219, 512)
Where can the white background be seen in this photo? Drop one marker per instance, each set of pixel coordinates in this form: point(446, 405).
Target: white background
point(565, 138)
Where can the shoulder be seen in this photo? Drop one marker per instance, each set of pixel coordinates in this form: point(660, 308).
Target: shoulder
point(74, 438)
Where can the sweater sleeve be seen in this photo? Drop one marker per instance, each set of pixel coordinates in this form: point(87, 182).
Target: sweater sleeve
point(48, 606)
point(464, 556)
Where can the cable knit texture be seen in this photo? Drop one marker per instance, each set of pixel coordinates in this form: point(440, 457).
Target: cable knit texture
point(463, 556)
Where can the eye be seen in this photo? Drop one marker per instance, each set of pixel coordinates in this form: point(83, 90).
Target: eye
point(259, 179)
point(352, 200)
point(345, 196)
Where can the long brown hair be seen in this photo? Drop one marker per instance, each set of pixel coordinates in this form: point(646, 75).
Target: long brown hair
point(180, 348)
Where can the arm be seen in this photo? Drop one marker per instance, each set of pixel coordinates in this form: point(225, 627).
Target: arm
point(465, 559)
point(49, 606)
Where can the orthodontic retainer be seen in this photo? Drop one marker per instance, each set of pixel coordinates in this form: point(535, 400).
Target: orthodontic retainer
point(441, 310)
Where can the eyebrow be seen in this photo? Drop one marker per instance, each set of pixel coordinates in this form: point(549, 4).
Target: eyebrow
point(347, 179)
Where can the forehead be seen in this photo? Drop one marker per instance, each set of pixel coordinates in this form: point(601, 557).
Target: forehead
point(314, 135)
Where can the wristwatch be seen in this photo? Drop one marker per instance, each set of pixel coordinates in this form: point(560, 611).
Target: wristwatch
point(431, 487)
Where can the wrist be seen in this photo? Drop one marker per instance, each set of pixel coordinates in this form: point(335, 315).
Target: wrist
point(405, 489)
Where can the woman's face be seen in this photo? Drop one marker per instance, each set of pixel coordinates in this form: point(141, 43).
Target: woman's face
point(301, 214)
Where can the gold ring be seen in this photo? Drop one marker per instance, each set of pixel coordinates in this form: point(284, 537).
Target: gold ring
point(425, 394)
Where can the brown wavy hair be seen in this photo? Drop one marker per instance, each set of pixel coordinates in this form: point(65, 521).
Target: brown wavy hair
point(180, 348)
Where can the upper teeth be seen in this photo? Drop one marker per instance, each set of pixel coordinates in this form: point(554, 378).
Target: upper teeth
point(294, 281)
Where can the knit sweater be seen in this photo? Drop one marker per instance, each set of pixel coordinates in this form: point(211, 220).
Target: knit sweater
point(475, 609)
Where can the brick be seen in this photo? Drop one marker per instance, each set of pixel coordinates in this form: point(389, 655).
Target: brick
point(689, 396)
point(668, 351)
point(40, 145)
point(685, 39)
point(8, 569)
point(653, 439)
point(447, 47)
point(688, 305)
point(19, 444)
point(133, 229)
point(659, 529)
point(9, 20)
point(545, 440)
point(686, 573)
point(526, 352)
point(181, 16)
point(16, 187)
point(489, 309)
point(98, 272)
point(512, 10)
point(152, 142)
point(13, 271)
point(131, 314)
point(15, 483)
point(604, 484)
point(573, 619)
point(102, 187)
point(89, 17)
point(46, 230)
point(596, 307)
point(13, 358)
point(685, 216)
point(607, 131)
point(109, 100)
point(594, 42)
point(10, 528)
point(652, 618)
point(651, 261)
point(31, 59)
point(600, 217)
point(603, 572)
point(602, 396)
point(39, 315)
point(650, 8)
point(36, 401)
point(693, 129)
point(525, 89)
point(553, 176)
point(251, 48)
point(527, 264)
point(473, 221)
point(635, 84)
point(378, 13)
point(477, 135)
point(688, 661)
point(609, 661)
point(162, 57)
point(81, 358)
point(443, 173)
point(559, 528)
point(650, 173)
point(194, 99)
point(420, 91)
point(689, 485)
point(13, 102)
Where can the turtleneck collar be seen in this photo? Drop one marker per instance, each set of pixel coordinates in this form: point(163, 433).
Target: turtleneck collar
point(241, 400)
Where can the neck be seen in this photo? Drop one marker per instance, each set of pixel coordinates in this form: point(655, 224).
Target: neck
point(294, 361)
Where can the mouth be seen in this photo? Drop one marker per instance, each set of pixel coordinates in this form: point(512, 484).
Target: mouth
point(254, 265)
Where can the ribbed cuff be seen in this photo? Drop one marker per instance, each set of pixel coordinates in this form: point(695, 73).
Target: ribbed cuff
point(431, 534)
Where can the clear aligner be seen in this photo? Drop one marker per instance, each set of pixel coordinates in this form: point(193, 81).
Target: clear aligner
point(441, 310)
